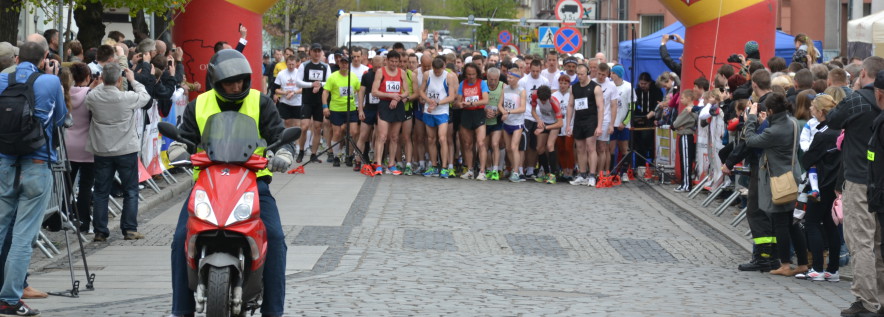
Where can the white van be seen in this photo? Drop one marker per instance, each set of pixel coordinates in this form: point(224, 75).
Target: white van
point(376, 29)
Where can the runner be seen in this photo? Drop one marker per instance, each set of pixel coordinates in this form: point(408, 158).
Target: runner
point(368, 110)
point(493, 124)
point(473, 95)
point(552, 72)
point(311, 76)
point(512, 110)
point(583, 110)
point(407, 146)
point(565, 142)
point(289, 94)
point(341, 108)
point(611, 101)
point(390, 88)
point(530, 84)
point(548, 114)
point(420, 129)
point(439, 91)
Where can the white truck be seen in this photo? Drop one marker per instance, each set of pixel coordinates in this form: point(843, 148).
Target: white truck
point(376, 29)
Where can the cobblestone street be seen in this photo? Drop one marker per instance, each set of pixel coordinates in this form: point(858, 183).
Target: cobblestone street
point(419, 246)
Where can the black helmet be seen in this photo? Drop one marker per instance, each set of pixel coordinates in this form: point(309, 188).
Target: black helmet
point(230, 65)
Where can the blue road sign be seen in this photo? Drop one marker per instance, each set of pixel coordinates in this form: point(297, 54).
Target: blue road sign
point(546, 36)
point(568, 40)
point(504, 37)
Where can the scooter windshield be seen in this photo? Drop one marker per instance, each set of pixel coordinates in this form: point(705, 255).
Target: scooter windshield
point(230, 137)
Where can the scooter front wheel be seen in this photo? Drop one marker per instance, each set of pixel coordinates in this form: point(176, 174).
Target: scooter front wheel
point(218, 292)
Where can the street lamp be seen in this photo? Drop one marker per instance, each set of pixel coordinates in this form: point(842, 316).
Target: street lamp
point(471, 21)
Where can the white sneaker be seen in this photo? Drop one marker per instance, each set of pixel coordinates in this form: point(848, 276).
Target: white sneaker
point(481, 176)
point(578, 181)
point(832, 277)
point(812, 275)
point(468, 175)
point(624, 177)
point(591, 181)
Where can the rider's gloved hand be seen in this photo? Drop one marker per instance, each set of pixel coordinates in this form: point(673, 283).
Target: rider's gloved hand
point(177, 152)
point(280, 161)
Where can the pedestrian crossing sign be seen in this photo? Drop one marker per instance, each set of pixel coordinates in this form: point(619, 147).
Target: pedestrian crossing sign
point(546, 34)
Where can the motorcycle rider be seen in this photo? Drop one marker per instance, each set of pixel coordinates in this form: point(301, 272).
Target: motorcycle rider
point(231, 75)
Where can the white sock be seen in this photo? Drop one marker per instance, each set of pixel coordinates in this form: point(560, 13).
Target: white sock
point(531, 170)
point(336, 149)
point(494, 168)
point(450, 166)
point(422, 164)
point(521, 170)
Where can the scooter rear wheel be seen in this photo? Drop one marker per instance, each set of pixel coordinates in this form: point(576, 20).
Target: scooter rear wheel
point(218, 292)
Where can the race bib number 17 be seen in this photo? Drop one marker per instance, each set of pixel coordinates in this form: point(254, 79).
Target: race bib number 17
point(315, 74)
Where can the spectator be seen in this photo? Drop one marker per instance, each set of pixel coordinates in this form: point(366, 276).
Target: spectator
point(855, 115)
point(779, 142)
point(51, 36)
point(8, 54)
point(803, 81)
point(805, 53)
point(664, 53)
point(27, 199)
point(819, 223)
point(114, 142)
point(76, 51)
point(116, 36)
point(686, 125)
point(876, 180)
point(82, 162)
point(838, 78)
point(853, 71)
point(819, 85)
point(104, 55)
point(795, 67)
point(802, 103)
point(819, 71)
point(776, 64)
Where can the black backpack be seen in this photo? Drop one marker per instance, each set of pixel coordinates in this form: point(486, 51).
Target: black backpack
point(21, 132)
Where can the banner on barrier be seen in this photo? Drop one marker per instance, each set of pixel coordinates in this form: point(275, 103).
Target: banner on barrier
point(666, 142)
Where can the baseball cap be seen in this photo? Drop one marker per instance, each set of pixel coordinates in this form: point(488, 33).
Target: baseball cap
point(7, 49)
point(345, 59)
point(316, 46)
point(569, 59)
point(484, 53)
point(578, 56)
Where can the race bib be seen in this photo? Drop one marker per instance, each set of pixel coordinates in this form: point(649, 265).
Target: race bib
point(344, 91)
point(315, 74)
point(393, 86)
point(471, 99)
point(373, 100)
point(581, 104)
point(433, 95)
point(509, 104)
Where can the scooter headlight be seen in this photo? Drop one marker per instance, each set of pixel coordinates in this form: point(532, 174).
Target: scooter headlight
point(243, 209)
point(202, 208)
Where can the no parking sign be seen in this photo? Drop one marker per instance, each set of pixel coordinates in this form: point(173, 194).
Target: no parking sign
point(504, 37)
point(568, 40)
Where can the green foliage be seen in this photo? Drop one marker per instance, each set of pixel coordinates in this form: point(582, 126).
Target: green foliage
point(157, 7)
point(507, 9)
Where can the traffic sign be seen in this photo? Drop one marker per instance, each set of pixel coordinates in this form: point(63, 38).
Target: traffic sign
point(546, 34)
point(569, 11)
point(504, 37)
point(568, 40)
point(514, 48)
point(524, 38)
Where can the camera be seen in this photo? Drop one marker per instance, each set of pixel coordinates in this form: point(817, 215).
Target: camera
point(734, 58)
point(672, 37)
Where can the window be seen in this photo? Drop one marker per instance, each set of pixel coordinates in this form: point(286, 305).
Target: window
point(651, 24)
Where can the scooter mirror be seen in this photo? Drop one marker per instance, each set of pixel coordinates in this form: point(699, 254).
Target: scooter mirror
point(171, 131)
point(289, 135)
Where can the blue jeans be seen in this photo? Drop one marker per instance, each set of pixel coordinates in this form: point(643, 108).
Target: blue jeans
point(274, 267)
point(127, 166)
point(23, 207)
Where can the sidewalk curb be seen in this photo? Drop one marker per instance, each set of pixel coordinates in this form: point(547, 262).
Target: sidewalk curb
point(705, 217)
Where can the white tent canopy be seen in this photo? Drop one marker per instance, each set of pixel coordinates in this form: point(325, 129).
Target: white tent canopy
point(865, 36)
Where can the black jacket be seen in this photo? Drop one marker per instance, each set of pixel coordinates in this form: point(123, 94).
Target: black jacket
point(269, 123)
point(855, 115)
point(824, 154)
point(875, 161)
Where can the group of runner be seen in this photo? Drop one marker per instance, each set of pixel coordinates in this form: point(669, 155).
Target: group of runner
point(516, 119)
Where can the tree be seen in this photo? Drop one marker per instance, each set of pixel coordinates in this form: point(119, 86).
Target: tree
point(314, 19)
point(87, 14)
point(9, 13)
point(506, 9)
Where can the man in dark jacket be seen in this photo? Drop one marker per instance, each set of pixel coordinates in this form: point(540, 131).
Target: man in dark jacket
point(855, 115)
point(673, 65)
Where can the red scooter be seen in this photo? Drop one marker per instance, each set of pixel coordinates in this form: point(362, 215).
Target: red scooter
point(226, 241)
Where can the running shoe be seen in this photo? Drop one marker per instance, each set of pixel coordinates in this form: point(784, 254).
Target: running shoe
point(357, 166)
point(495, 175)
point(408, 171)
point(481, 176)
point(540, 179)
point(831, 277)
point(431, 171)
point(445, 173)
point(624, 178)
point(681, 189)
point(591, 181)
point(378, 170)
point(336, 162)
point(464, 170)
point(300, 156)
point(810, 275)
point(579, 181)
point(551, 179)
point(394, 170)
point(467, 175)
point(349, 160)
point(329, 158)
point(20, 309)
point(514, 177)
point(315, 159)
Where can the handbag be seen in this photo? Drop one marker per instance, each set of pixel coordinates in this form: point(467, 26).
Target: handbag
point(783, 188)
